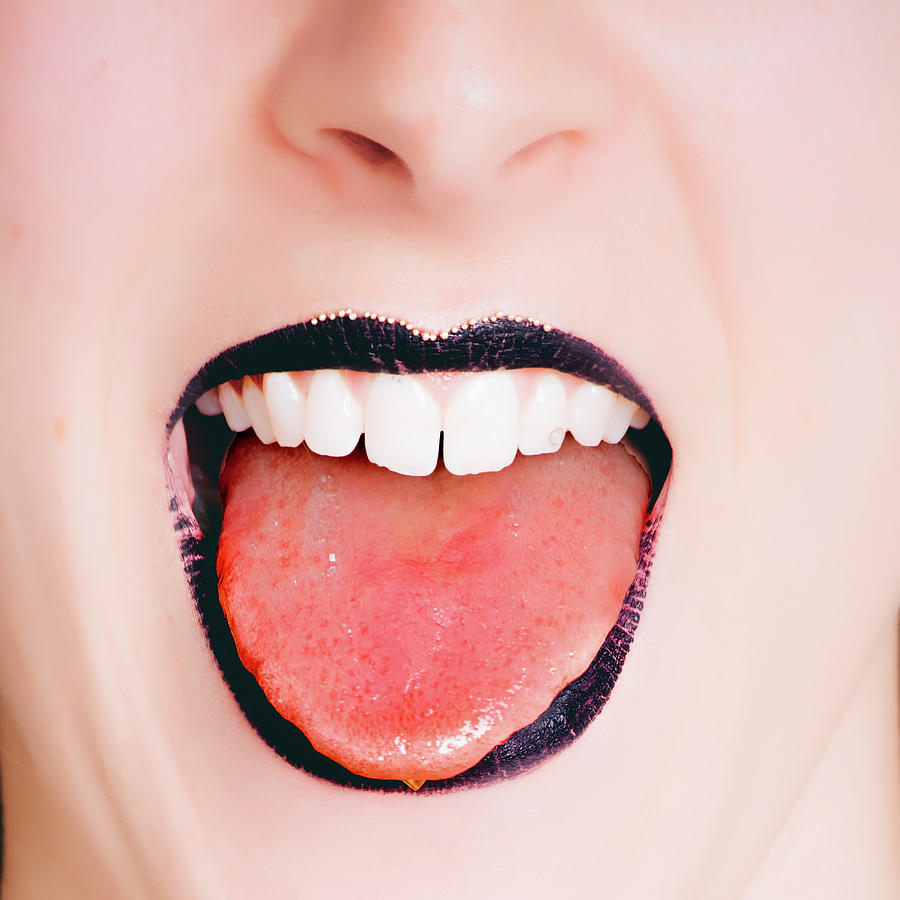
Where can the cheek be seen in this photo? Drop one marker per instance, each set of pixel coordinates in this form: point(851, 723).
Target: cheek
point(804, 190)
point(787, 127)
point(114, 122)
point(113, 135)
point(785, 124)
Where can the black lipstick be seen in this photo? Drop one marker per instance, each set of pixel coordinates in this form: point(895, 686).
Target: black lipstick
point(372, 343)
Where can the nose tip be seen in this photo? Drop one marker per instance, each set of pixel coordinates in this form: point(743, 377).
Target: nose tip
point(431, 99)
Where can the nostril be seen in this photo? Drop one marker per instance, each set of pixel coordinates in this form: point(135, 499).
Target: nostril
point(561, 144)
point(368, 151)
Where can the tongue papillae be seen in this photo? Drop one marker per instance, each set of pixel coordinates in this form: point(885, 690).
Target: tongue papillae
point(409, 625)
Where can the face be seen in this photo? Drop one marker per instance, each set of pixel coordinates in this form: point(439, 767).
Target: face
point(708, 195)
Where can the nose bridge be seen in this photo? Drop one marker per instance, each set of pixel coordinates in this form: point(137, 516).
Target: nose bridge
point(453, 90)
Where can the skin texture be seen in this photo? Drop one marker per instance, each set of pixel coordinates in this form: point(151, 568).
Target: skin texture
point(708, 193)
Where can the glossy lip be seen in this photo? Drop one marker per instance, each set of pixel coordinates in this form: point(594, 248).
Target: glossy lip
point(372, 343)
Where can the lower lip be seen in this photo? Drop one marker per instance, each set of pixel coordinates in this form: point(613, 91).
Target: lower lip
point(304, 347)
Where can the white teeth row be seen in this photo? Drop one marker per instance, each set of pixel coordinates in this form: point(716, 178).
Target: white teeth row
point(485, 417)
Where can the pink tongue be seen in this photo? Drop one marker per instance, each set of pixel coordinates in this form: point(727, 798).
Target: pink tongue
point(409, 625)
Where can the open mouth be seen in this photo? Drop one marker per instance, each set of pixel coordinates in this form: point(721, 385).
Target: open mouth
point(425, 560)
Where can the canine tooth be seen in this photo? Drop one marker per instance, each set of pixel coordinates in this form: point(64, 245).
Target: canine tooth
point(255, 404)
point(233, 407)
point(481, 424)
point(209, 404)
point(287, 408)
point(589, 410)
point(403, 425)
point(545, 414)
point(640, 418)
point(619, 420)
point(334, 417)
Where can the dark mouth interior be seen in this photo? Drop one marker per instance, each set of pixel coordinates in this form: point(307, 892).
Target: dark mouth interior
point(369, 346)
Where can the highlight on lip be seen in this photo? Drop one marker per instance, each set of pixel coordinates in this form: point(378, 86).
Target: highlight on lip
point(368, 357)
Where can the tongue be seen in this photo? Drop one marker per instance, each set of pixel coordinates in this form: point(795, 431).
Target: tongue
point(409, 625)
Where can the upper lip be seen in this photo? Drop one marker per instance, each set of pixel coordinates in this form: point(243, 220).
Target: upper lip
point(380, 343)
point(383, 344)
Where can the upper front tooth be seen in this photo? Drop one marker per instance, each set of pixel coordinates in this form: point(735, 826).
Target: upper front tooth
point(590, 408)
point(481, 424)
point(619, 420)
point(255, 404)
point(233, 407)
point(403, 415)
point(544, 420)
point(287, 408)
point(403, 425)
point(334, 417)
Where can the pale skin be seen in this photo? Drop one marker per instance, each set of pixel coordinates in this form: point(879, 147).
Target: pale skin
point(708, 193)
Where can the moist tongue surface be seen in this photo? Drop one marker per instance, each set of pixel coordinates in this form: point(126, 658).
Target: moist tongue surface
point(409, 625)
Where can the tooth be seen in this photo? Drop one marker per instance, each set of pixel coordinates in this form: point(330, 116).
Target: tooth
point(255, 404)
point(589, 411)
point(403, 425)
point(619, 420)
point(209, 404)
point(543, 423)
point(233, 407)
point(640, 418)
point(287, 408)
point(334, 417)
point(481, 424)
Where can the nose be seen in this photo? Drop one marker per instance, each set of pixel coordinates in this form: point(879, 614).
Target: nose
point(445, 102)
